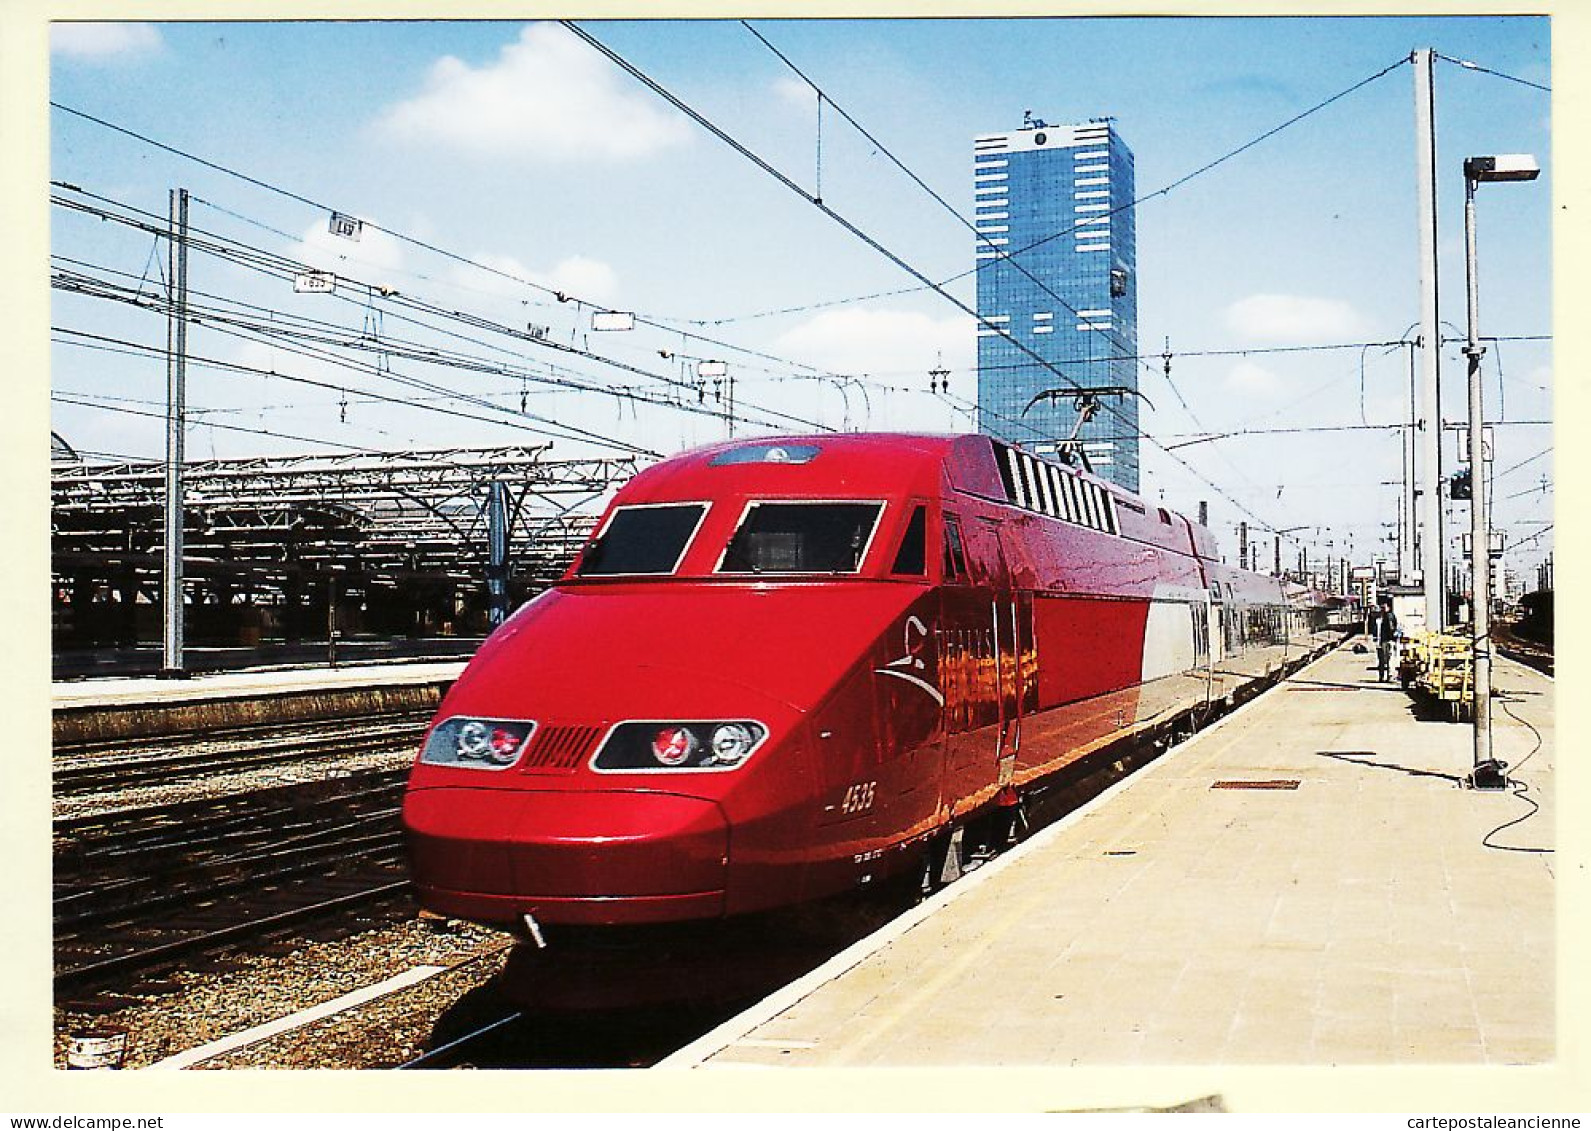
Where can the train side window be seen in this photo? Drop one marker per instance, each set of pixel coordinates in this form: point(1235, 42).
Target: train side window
point(912, 557)
point(955, 556)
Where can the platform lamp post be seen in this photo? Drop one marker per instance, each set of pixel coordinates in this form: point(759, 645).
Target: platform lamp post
point(1487, 772)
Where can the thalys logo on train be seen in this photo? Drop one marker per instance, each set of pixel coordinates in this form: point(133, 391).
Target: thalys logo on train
point(911, 661)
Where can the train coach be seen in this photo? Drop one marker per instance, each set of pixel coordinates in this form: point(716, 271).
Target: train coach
point(785, 669)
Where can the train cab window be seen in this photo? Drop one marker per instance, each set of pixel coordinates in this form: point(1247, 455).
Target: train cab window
point(955, 567)
point(801, 538)
point(912, 557)
point(642, 540)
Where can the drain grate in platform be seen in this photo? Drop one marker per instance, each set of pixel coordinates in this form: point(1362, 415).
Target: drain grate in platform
point(1273, 783)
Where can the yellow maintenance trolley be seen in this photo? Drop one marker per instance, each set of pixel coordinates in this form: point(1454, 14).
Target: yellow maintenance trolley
point(1440, 667)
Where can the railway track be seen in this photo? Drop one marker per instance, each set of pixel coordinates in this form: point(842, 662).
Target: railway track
point(218, 925)
point(142, 890)
point(141, 837)
point(1527, 652)
point(90, 767)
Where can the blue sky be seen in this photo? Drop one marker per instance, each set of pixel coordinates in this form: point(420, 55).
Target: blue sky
point(518, 147)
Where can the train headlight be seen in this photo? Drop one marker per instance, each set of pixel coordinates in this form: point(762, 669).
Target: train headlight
point(486, 744)
point(731, 743)
point(504, 745)
point(474, 740)
point(669, 747)
point(673, 746)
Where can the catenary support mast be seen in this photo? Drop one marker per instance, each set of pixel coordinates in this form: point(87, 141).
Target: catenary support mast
point(176, 377)
point(1430, 347)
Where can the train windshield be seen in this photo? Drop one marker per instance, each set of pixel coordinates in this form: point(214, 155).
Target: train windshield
point(801, 538)
point(643, 540)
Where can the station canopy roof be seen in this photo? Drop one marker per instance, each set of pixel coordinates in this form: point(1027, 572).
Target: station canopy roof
point(379, 519)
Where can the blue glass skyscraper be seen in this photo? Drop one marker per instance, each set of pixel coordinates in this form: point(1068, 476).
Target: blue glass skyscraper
point(1057, 272)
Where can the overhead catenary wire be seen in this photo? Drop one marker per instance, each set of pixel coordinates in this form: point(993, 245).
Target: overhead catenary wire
point(792, 186)
point(219, 322)
point(1542, 533)
point(762, 164)
point(657, 322)
point(770, 417)
point(1245, 351)
point(65, 398)
point(280, 266)
point(526, 282)
point(159, 223)
point(299, 197)
point(238, 318)
point(1467, 65)
point(1540, 489)
point(561, 297)
point(85, 339)
point(1010, 259)
point(982, 239)
point(1524, 462)
point(1162, 191)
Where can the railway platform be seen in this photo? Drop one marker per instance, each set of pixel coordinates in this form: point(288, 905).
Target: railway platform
point(141, 706)
point(1307, 882)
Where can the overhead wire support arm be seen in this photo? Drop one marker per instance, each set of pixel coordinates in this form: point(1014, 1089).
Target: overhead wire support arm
point(1088, 402)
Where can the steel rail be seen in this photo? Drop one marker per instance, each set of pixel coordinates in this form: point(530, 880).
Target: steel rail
point(122, 772)
point(162, 954)
point(136, 899)
point(445, 1055)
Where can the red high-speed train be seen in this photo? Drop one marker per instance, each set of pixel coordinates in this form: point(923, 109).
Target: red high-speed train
point(784, 669)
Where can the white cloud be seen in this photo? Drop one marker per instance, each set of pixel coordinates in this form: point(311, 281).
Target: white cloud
point(103, 41)
point(880, 341)
point(546, 96)
point(794, 92)
point(1293, 319)
point(1249, 379)
point(577, 276)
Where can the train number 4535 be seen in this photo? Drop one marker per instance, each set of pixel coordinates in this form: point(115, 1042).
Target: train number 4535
point(859, 797)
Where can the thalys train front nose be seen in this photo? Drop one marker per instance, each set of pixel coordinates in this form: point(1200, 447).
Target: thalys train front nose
point(588, 766)
point(575, 822)
point(590, 857)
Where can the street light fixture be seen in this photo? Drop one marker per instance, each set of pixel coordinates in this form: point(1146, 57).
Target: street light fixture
point(1487, 772)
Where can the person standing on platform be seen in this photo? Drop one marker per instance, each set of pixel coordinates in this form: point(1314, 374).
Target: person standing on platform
point(1382, 628)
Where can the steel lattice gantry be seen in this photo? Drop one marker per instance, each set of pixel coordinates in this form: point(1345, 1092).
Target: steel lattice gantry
point(261, 531)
